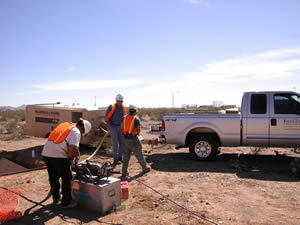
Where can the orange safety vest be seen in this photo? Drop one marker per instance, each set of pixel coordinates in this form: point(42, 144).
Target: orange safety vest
point(128, 125)
point(113, 108)
point(59, 134)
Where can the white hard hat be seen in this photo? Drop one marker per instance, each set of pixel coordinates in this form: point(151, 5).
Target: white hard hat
point(132, 108)
point(87, 126)
point(119, 98)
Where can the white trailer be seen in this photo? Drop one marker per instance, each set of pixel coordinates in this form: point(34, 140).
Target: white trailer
point(42, 119)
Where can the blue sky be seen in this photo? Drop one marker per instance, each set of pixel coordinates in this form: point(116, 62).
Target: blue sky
point(198, 51)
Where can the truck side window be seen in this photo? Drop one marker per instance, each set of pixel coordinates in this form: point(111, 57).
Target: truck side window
point(258, 104)
point(286, 104)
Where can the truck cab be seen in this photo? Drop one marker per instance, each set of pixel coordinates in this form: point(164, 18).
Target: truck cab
point(271, 119)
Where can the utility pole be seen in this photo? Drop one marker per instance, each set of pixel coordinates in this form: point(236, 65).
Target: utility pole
point(95, 101)
point(172, 99)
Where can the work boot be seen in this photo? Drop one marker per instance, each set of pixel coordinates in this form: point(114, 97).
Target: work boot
point(67, 206)
point(124, 176)
point(115, 163)
point(56, 201)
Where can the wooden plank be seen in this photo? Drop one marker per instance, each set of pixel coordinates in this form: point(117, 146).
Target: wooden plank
point(7, 166)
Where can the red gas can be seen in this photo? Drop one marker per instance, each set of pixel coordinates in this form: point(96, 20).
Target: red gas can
point(124, 188)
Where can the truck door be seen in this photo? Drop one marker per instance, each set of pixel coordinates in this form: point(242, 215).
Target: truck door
point(285, 120)
point(257, 121)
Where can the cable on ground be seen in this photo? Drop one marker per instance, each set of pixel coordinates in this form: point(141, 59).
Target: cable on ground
point(195, 214)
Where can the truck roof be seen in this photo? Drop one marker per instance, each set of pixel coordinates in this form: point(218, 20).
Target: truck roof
point(278, 92)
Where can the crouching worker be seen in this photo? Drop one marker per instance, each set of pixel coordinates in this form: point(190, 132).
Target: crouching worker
point(59, 151)
point(131, 128)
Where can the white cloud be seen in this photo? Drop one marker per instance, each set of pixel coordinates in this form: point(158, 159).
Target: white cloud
point(264, 66)
point(127, 72)
point(36, 92)
point(224, 80)
point(20, 94)
point(84, 85)
point(70, 69)
point(204, 3)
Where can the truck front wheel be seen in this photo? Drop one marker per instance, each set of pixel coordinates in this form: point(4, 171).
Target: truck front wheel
point(203, 147)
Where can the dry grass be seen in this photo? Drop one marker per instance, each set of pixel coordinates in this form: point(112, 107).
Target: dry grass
point(12, 124)
point(155, 114)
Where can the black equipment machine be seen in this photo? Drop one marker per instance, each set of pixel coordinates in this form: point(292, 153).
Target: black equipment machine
point(91, 172)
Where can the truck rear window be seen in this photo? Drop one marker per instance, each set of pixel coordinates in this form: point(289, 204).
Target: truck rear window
point(258, 104)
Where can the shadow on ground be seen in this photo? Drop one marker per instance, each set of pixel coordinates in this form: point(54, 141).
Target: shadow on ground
point(261, 167)
point(40, 213)
point(67, 216)
point(32, 157)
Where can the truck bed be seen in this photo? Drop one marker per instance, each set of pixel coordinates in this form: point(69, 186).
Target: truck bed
point(226, 125)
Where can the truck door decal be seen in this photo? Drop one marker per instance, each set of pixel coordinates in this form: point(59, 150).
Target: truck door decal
point(291, 124)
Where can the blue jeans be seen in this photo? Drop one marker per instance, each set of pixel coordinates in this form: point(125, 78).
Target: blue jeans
point(117, 144)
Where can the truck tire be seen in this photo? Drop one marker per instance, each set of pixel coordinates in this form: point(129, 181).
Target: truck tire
point(203, 147)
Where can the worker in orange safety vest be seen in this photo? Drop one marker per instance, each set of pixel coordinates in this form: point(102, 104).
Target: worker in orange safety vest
point(114, 117)
point(131, 128)
point(59, 151)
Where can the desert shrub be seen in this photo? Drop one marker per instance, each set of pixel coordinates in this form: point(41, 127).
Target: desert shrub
point(12, 124)
point(155, 113)
point(95, 144)
point(19, 132)
point(14, 130)
point(256, 150)
point(2, 118)
point(6, 115)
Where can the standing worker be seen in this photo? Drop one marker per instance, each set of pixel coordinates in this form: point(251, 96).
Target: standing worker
point(59, 151)
point(131, 128)
point(114, 117)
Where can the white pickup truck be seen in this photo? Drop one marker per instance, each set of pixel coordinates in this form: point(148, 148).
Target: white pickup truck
point(267, 119)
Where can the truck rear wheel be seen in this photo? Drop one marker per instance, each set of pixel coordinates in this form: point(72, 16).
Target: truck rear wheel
point(203, 147)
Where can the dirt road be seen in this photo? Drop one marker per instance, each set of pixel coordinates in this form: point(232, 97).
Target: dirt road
point(239, 187)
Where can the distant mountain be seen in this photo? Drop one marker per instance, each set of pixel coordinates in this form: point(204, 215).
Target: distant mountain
point(21, 107)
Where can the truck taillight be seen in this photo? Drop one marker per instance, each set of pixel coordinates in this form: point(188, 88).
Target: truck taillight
point(163, 127)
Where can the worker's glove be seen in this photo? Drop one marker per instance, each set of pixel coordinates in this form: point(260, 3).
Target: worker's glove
point(75, 160)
